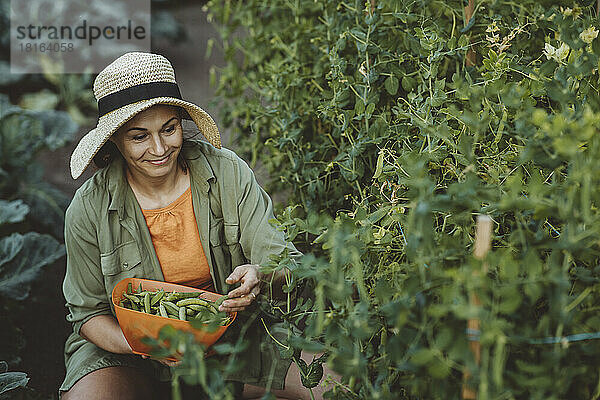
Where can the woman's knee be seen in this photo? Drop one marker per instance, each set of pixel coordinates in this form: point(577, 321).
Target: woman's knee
point(113, 383)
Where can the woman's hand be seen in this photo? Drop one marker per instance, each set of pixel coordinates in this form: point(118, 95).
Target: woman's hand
point(104, 331)
point(241, 297)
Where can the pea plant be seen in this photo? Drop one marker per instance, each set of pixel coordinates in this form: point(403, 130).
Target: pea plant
point(388, 145)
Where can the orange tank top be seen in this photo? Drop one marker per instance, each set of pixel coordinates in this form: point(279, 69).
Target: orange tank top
point(176, 240)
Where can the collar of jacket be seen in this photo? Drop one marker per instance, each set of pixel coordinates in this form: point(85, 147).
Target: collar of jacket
point(200, 174)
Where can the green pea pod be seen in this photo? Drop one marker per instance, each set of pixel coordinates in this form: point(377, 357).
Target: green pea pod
point(134, 307)
point(163, 311)
point(156, 298)
point(175, 296)
point(147, 303)
point(187, 302)
point(172, 308)
point(129, 288)
point(131, 298)
point(140, 289)
point(182, 314)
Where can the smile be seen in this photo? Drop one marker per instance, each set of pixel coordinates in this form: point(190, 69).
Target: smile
point(161, 161)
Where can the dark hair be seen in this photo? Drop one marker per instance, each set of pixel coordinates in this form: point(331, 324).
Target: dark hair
point(109, 151)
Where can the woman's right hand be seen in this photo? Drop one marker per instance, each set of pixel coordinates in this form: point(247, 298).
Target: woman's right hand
point(104, 331)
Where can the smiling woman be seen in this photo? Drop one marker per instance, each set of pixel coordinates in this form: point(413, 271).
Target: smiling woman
point(165, 208)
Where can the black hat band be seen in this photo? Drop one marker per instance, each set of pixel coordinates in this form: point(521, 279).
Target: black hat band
point(132, 94)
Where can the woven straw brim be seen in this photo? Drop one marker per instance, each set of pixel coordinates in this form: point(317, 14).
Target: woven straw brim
point(89, 145)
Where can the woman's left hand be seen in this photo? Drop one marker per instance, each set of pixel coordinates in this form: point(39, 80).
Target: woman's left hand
point(242, 296)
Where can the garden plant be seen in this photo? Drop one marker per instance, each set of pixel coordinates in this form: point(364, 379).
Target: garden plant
point(389, 142)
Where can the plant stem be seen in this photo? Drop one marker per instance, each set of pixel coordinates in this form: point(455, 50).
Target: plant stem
point(175, 392)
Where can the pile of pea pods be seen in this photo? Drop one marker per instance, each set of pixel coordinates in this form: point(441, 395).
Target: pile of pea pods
point(185, 306)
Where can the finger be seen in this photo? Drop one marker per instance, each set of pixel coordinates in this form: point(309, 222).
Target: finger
point(234, 309)
point(249, 281)
point(245, 288)
point(237, 274)
point(237, 302)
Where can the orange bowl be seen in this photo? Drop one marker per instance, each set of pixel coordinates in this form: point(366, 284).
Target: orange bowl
point(136, 324)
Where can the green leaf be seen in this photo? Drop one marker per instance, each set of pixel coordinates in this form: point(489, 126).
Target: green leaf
point(376, 215)
point(42, 100)
point(18, 149)
point(9, 247)
point(379, 168)
point(370, 108)
point(18, 269)
point(438, 369)
point(359, 107)
point(422, 356)
point(59, 128)
point(310, 375)
point(408, 83)
point(11, 380)
point(391, 85)
point(47, 205)
point(45, 129)
point(12, 212)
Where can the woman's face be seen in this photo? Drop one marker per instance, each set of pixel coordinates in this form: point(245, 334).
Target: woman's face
point(151, 141)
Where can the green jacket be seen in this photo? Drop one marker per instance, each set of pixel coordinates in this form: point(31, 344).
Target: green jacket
point(107, 240)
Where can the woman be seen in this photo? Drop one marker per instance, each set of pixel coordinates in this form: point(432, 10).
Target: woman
point(161, 208)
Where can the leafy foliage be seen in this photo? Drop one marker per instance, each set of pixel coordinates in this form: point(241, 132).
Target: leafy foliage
point(21, 176)
point(21, 259)
point(10, 380)
point(23, 256)
point(207, 371)
point(389, 145)
point(13, 211)
point(27, 205)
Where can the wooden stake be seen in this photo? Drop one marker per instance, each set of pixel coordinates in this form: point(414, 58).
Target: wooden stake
point(469, 10)
point(483, 243)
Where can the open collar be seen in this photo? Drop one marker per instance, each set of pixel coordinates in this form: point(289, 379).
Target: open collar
point(200, 174)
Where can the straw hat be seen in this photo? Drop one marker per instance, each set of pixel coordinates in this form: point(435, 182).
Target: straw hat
point(130, 84)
